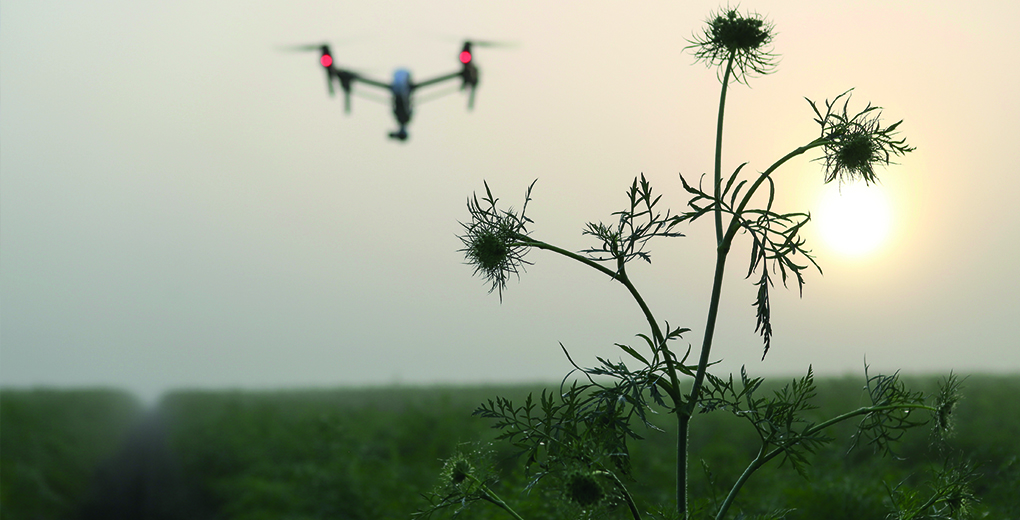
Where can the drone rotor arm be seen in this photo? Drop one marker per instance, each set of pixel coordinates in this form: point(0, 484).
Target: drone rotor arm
point(438, 79)
point(371, 82)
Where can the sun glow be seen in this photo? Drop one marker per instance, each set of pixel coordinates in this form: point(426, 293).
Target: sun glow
point(854, 219)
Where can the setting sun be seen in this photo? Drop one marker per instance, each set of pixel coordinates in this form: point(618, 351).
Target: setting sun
point(854, 219)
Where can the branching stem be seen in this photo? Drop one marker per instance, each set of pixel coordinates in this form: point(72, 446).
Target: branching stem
point(621, 276)
point(765, 455)
point(723, 247)
point(735, 220)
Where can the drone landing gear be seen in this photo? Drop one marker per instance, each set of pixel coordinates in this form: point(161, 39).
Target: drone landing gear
point(399, 134)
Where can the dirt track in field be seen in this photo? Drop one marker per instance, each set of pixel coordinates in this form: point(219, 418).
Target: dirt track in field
point(142, 481)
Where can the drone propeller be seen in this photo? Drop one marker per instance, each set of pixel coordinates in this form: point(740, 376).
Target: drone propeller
point(303, 48)
point(490, 43)
point(469, 72)
point(465, 53)
point(326, 61)
point(324, 46)
point(343, 76)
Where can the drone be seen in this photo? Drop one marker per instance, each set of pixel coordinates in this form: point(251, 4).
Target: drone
point(402, 88)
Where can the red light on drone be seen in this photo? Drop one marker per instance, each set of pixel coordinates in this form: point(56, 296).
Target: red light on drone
point(465, 57)
point(326, 60)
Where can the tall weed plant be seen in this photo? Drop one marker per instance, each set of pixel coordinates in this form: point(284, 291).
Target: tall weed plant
point(574, 442)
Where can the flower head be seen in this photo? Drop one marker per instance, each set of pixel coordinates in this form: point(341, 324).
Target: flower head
point(584, 489)
point(744, 39)
point(945, 402)
point(457, 470)
point(494, 240)
point(854, 144)
point(459, 476)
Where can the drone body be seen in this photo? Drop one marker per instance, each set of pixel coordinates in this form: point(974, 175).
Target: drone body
point(402, 87)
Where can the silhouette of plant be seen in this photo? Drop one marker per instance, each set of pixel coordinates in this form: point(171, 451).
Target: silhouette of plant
point(576, 439)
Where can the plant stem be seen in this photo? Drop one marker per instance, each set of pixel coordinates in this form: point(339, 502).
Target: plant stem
point(684, 413)
point(713, 312)
point(494, 499)
point(673, 389)
point(718, 150)
point(720, 264)
point(626, 494)
point(618, 276)
point(751, 468)
point(735, 221)
point(764, 456)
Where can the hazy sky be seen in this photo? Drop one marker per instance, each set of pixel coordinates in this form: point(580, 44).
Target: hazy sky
point(182, 205)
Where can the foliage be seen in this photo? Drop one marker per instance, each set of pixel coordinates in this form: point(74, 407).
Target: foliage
point(317, 454)
point(52, 442)
point(300, 454)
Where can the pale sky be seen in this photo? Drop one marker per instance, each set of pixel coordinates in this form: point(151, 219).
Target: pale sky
point(182, 205)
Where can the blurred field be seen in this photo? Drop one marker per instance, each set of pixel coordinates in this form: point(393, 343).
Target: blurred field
point(52, 441)
point(371, 453)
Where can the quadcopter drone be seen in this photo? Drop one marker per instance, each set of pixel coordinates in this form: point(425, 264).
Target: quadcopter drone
point(402, 87)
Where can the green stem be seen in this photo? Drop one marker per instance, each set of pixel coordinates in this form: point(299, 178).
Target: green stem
point(735, 221)
point(924, 507)
point(713, 308)
point(718, 150)
point(618, 276)
point(626, 494)
point(685, 413)
point(683, 433)
point(621, 276)
point(764, 457)
point(751, 468)
point(493, 498)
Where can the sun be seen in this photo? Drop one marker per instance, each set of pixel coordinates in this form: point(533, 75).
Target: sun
point(855, 219)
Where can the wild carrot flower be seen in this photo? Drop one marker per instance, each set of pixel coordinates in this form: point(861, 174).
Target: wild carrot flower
point(945, 402)
point(458, 473)
point(584, 489)
point(744, 39)
point(856, 143)
point(495, 240)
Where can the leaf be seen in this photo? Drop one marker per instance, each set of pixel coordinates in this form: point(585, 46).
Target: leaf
point(732, 178)
point(736, 192)
point(633, 353)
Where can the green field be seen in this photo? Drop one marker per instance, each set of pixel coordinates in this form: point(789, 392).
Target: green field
point(371, 453)
point(52, 442)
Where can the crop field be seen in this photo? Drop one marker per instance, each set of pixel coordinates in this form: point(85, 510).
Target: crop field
point(52, 442)
point(371, 454)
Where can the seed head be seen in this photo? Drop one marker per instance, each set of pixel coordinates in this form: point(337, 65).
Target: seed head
point(584, 489)
point(495, 241)
point(456, 471)
point(855, 144)
point(744, 39)
point(460, 471)
point(945, 402)
point(489, 250)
